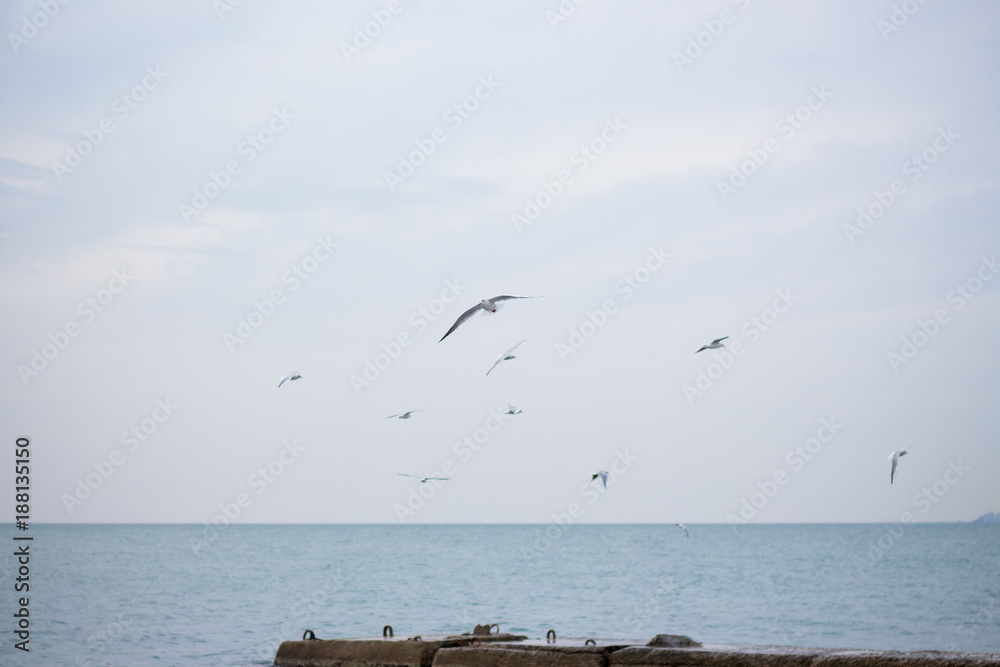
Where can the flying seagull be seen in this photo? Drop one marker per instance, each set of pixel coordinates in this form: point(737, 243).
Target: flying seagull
point(894, 457)
point(423, 480)
point(714, 345)
point(289, 378)
point(684, 528)
point(404, 415)
point(506, 356)
point(603, 474)
point(487, 306)
point(513, 410)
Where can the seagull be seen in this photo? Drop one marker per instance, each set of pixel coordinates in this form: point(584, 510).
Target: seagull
point(684, 528)
point(423, 480)
point(513, 410)
point(404, 415)
point(603, 474)
point(506, 356)
point(714, 345)
point(894, 457)
point(289, 378)
point(487, 306)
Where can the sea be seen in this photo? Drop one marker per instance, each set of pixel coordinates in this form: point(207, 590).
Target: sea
point(227, 596)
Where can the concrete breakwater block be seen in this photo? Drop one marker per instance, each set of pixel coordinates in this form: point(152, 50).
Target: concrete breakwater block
point(409, 652)
point(787, 656)
point(507, 655)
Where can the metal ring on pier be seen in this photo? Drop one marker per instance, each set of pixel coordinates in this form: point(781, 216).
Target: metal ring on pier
point(550, 637)
point(387, 631)
point(494, 625)
point(308, 634)
point(590, 642)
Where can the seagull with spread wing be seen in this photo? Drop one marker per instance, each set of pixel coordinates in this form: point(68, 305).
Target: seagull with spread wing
point(289, 378)
point(603, 474)
point(487, 306)
point(404, 415)
point(513, 410)
point(714, 345)
point(684, 528)
point(506, 356)
point(423, 480)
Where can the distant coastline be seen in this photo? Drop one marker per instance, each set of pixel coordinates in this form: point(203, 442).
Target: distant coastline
point(989, 517)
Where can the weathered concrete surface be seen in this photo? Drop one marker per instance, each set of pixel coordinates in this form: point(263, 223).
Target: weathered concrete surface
point(374, 652)
point(503, 650)
point(749, 656)
point(513, 655)
point(786, 656)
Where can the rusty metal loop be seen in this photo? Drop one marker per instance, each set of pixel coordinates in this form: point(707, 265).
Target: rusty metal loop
point(550, 637)
point(590, 642)
point(494, 625)
point(387, 631)
point(308, 635)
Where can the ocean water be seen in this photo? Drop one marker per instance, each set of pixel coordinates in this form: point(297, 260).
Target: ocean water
point(141, 595)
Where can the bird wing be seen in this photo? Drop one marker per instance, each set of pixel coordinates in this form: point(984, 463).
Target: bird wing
point(495, 364)
point(604, 477)
point(515, 347)
point(507, 297)
point(284, 380)
point(719, 340)
point(390, 417)
point(703, 347)
point(441, 478)
point(892, 470)
point(461, 318)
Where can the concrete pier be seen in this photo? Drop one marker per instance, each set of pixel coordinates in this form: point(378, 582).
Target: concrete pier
point(484, 649)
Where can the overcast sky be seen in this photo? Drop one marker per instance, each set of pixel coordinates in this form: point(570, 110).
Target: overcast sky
point(661, 174)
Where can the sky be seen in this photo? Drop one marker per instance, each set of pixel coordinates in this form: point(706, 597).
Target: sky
point(198, 198)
